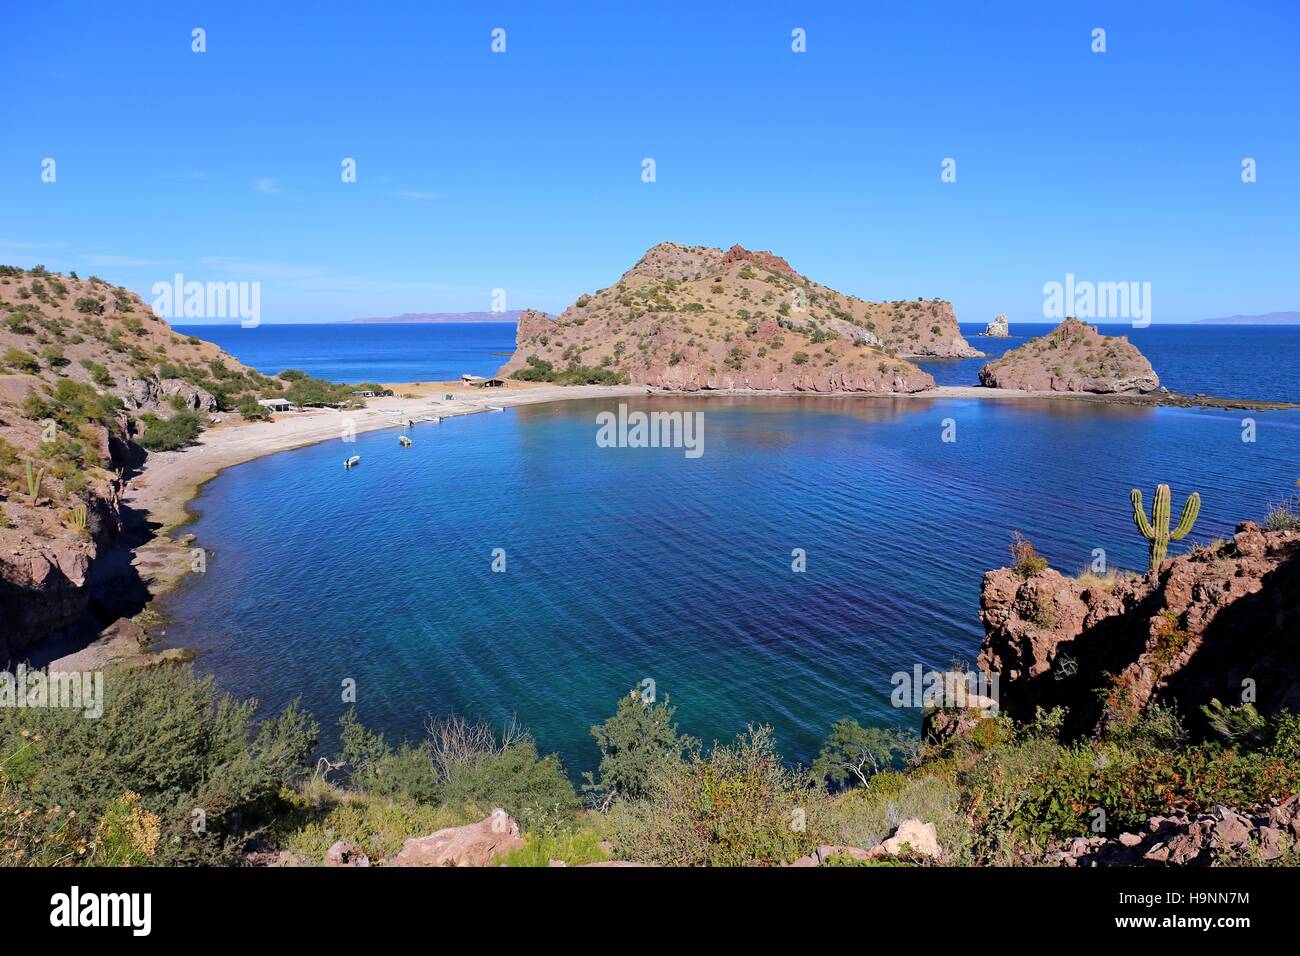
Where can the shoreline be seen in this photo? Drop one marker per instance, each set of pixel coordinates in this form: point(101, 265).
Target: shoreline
point(160, 495)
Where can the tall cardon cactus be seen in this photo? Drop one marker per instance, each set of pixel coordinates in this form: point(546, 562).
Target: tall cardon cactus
point(1156, 530)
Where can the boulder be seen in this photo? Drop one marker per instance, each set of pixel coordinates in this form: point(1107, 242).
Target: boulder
point(476, 844)
point(344, 853)
point(826, 851)
point(921, 839)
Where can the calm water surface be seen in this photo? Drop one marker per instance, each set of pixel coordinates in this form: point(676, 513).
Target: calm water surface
point(624, 564)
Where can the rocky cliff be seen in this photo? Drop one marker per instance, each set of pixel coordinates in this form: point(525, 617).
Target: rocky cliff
point(1220, 622)
point(1073, 357)
point(80, 362)
point(692, 317)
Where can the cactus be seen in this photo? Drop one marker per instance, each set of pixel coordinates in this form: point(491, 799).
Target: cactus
point(77, 517)
point(34, 478)
point(1157, 529)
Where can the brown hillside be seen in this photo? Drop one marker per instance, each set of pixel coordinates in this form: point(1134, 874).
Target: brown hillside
point(82, 364)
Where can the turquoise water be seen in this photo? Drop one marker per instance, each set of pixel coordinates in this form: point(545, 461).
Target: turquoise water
point(625, 564)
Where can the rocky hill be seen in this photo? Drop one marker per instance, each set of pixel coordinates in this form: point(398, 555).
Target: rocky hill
point(693, 317)
point(1073, 357)
point(85, 368)
point(1211, 624)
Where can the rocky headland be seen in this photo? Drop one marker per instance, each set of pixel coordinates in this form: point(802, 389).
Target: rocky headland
point(1217, 623)
point(1073, 357)
point(692, 318)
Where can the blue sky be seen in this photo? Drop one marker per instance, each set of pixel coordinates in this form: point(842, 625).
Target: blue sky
point(522, 170)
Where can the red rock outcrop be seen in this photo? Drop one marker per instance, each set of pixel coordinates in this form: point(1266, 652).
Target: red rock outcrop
point(1073, 357)
point(1204, 625)
point(476, 844)
point(764, 260)
point(1222, 836)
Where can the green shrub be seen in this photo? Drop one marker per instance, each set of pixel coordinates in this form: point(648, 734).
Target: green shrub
point(852, 753)
point(1025, 561)
point(169, 434)
point(639, 747)
point(867, 815)
point(249, 409)
point(194, 758)
point(463, 765)
point(531, 788)
point(737, 806)
point(574, 849)
point(21, 361)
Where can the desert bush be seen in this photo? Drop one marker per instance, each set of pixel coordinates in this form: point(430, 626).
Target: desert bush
point(574, 848)
point(314, 817)
point(531, 788)
point(21, 361)
point(1025, 561)
point(168, 434)
point(1038, 790)
point(853, 754)
point(462, 764)
point(736, 806)
point(867, 815)
point(165, 736)
point(1284, 516)
point(639, 746)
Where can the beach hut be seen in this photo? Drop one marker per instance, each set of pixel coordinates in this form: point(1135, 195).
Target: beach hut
point(275, 404)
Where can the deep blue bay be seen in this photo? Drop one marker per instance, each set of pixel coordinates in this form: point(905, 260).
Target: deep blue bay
point(625, 564)
point(368, 352)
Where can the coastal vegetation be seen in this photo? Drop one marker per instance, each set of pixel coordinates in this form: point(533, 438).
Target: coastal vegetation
point(177, 773)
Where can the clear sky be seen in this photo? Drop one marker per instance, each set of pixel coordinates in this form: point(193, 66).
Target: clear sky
point(523, 170)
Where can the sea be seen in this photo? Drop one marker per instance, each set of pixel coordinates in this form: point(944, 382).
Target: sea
point(507, 566)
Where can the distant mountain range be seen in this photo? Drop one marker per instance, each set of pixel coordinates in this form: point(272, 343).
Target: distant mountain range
point(437, 318)
point(1270, 318)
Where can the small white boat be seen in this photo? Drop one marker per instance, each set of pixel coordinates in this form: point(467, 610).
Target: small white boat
point(430, 418)
point(395, 421)
point(406, 442)
point(352, 462)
